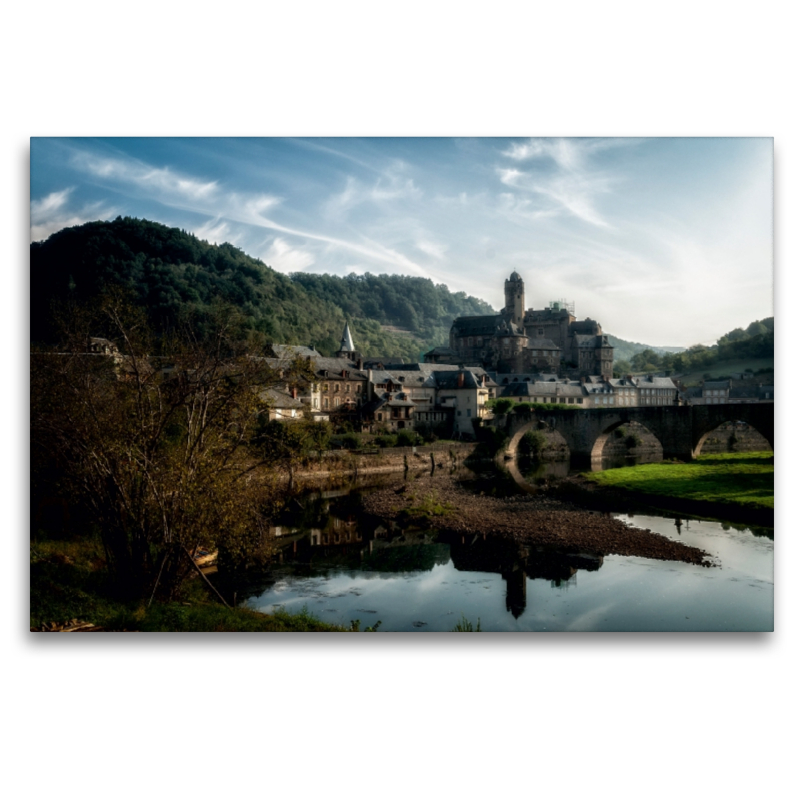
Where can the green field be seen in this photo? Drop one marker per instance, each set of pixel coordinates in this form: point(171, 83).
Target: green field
point(732, 480)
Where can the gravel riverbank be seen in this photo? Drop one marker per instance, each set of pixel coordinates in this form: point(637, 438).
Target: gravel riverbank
point(537, 519)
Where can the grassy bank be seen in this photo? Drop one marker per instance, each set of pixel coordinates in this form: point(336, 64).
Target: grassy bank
point(726, 482)
point(69, 582)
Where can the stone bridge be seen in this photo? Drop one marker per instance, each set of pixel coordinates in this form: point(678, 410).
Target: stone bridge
point(680, 429)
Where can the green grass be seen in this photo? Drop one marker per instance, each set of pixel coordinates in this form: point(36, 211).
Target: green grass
point(737, 480)
point(69, 581)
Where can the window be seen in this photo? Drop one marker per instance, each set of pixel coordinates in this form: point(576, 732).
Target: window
point(380, 417)
point(325, 387)
point(470, 341)
point(336, 388)
point(469, 412)
point(336, 402)
point(347, 388)
point(324, 402)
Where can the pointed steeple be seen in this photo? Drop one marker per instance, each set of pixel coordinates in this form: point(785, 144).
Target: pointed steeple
point(346, 345)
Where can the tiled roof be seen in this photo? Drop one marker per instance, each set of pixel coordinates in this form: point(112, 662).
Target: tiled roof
point(278, 399)
point(293, 350)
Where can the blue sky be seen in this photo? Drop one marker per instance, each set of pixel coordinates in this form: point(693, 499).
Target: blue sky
point(663, 241)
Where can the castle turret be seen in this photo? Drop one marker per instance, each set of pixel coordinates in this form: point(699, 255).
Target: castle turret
point(515, 298)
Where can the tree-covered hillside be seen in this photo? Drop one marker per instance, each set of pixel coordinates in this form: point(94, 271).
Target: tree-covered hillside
point(757, 341)
point(625, 351)
point(412, 304)
point(169, 271)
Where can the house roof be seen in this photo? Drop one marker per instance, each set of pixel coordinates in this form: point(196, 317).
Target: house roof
point(278, 399)
point(294, 350)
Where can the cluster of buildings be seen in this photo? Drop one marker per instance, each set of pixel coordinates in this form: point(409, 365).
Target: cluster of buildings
point(534, 355)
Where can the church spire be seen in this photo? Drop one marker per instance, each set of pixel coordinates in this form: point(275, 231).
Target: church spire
point(346, 345)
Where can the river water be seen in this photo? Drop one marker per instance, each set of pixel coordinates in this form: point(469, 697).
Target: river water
point(343, 566)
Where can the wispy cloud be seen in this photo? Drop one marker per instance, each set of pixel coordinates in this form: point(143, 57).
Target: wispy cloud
point(393, 186)
point(282, 256)
point(573, 186)
point(433, 249)
point(52, 213)
point(209, 197)
point(161, 180)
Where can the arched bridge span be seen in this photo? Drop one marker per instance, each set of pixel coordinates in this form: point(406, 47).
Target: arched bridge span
point(680, 429)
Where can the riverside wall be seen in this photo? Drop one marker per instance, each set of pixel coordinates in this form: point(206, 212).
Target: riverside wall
point(385, 459)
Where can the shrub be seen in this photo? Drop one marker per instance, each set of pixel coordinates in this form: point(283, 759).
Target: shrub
point(501, 405)
point(347, 441)
point(532, 443)
point(407, 438)
point(386, 440)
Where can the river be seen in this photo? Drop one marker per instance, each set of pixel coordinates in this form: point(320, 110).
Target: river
point(343, 566)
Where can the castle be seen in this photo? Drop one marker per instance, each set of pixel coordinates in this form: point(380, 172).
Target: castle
point(548, 340)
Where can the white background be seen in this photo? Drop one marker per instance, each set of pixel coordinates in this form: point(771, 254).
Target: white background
point(392, 716)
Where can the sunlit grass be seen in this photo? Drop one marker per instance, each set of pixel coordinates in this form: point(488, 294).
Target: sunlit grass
point(738, 479)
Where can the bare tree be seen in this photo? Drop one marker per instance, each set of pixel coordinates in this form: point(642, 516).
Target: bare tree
point(155, 447)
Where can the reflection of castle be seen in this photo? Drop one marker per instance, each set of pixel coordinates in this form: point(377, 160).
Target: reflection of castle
point(547, 340)
point(339, 537)
point(516, 563)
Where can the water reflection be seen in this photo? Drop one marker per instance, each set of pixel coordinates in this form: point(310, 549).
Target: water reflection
point(328, 555)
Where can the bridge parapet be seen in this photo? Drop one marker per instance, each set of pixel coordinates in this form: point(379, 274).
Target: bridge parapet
point(680, 429)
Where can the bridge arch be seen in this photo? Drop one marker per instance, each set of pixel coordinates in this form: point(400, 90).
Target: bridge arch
point(534, 424)
point(606, 434)
point(703, 434)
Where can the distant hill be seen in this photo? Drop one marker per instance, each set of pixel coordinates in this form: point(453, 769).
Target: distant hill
point(624, 350)
point(169, 270)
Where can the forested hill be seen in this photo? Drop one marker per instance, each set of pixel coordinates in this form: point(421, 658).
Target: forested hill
point(169, 270)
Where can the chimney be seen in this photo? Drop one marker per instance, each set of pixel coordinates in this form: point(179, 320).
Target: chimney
point(461, 379)
point(294, 392)
point(360, 363)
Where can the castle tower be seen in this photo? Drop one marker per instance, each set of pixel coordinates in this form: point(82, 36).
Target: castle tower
point(515, 298)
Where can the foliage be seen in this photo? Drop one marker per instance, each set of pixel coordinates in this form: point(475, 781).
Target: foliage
point(758, 341)
point(168, 271)
point(385, 440)
point(735, 479)
point(156, 459)
point(68, 581)
point(408, 438)
point(284, 444)
point(500, 405)
point(355, 626)
point(532, 444)
point(350, 441)
point(465, 626)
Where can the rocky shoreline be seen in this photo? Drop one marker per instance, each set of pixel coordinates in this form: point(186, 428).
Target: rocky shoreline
point(439, 501)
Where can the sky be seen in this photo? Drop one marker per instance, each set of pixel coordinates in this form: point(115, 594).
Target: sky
point(665, 241)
